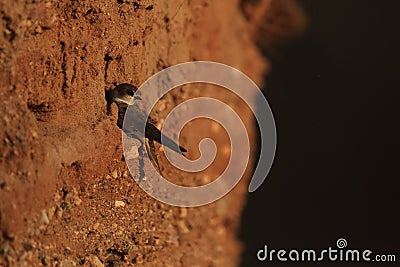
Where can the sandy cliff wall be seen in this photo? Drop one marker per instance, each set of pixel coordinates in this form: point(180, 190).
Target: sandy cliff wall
point(61, 167)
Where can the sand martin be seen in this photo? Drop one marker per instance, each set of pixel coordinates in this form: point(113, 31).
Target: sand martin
point(122, 95)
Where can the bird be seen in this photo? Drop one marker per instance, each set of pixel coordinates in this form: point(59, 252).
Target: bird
point(123, 95)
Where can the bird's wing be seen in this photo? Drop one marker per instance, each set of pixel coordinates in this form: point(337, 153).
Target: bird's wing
point(153, 133)
point(134, 124)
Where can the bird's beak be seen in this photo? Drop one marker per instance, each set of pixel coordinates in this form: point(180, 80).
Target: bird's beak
point(138, 95)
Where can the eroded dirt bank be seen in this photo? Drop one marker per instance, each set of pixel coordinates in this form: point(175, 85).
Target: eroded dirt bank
point(66, 196)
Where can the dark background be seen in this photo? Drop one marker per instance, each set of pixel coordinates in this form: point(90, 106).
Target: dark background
point(335, 97)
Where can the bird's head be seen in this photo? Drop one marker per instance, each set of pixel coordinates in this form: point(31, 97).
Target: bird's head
point(123, 93)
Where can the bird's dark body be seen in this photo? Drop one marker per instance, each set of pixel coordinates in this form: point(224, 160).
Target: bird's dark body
point(134, 126)
point(134, 121)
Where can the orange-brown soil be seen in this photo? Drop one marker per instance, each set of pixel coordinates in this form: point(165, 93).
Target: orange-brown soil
point(66, 196)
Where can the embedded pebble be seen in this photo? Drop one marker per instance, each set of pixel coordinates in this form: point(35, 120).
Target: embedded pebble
point(182, 227)
point(77, 201)
point(96, 226)
point(119, 204)
point(139, 258)
point(38, 29)
point(114, 174)
point(43, 217)
point(183, 212)
point(125, 174)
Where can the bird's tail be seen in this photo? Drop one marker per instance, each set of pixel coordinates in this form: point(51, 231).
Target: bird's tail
point(153, 133)
point(168, 142)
